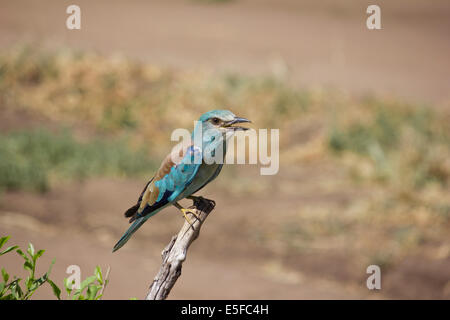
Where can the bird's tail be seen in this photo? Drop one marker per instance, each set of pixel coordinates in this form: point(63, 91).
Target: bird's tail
point(127, 235)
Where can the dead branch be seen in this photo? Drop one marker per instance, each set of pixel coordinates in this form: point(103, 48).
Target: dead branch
point(175, 252)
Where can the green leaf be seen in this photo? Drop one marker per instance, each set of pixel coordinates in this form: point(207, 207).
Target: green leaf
point(38, 254)
point(28, 266)
point(98, 273)
point(5, 275)
point(77, 295)
point(92, 292)
point(8, 250)
point(39, 282)
point(20, 252)
point(7, 297)
point(16, 290)
point(56, 290)
point(68, 286)
point(4, 240)
point(2, 286)
point(30, 250)
point(87, 282)
point(29, 283)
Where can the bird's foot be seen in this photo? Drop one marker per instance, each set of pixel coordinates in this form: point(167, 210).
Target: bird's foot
point(189, 210)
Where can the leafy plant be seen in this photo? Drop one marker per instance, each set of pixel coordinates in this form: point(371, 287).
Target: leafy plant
point(13, 290)
point(91, 288)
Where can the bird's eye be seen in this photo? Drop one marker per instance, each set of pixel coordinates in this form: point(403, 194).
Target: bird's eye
point(215, 120)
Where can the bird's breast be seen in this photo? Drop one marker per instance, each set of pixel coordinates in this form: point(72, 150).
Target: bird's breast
point(204, 174)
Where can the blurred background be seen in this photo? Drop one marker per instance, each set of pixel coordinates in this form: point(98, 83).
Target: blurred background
point(86, 117)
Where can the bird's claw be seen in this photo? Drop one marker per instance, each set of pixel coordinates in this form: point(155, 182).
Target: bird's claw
point(192, 211)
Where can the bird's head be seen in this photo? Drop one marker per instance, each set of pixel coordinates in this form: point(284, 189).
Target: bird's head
point(223, 120)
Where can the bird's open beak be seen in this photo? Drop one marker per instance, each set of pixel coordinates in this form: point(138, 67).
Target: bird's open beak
point(232, 124)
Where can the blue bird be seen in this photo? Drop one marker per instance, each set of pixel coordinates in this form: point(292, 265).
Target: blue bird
point(180, 178)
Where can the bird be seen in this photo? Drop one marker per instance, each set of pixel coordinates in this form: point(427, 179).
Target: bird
point(180, 178)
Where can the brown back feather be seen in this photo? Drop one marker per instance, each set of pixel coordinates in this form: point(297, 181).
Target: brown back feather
point(151, 192)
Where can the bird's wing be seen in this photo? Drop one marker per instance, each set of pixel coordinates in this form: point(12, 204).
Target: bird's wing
point(172, 177)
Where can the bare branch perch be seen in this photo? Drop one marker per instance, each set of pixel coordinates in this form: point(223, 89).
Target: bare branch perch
point(175, 252)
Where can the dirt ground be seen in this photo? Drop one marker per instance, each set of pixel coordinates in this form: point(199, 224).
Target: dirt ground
point(216, 267)
point(324, 44)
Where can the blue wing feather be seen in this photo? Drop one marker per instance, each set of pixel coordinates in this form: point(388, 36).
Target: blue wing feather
point(175, 182)
point(170, 187)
